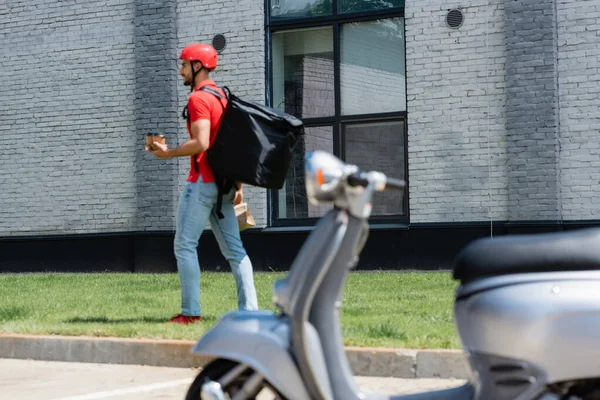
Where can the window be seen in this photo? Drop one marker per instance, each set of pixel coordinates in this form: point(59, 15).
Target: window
point(303, 72)
point(286, 9)
point(292, 200)
point(372, 67)
point(340, 66)
point(349, 6)
point(384, 140)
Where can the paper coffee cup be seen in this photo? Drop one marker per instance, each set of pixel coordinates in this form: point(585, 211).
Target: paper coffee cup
point(151, 138)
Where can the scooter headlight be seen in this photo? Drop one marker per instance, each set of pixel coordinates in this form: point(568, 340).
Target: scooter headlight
point(324, 173)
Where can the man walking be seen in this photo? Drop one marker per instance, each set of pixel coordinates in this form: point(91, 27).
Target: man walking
point(198, 200)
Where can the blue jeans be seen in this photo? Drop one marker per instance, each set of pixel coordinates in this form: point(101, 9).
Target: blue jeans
point(197, 206)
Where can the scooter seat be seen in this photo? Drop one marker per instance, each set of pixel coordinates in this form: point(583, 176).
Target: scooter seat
point(548, 252)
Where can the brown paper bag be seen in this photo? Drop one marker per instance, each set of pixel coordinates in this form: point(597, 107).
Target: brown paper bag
point(245, 219)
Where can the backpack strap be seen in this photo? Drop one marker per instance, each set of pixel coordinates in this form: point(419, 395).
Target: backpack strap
point(224, 185)
point(217, 94)
point(185, 114)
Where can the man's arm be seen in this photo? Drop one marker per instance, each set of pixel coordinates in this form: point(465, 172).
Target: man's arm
point(198, 143)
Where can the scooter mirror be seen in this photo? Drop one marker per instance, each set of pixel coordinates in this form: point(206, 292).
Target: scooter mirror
point(324, 174)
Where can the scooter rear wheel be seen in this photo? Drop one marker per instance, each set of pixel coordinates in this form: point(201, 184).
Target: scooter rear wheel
point(239, 379)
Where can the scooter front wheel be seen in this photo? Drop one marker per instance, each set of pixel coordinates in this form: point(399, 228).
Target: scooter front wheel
point(229, 380)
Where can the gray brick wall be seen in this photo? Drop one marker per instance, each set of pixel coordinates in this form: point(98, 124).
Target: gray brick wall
point(533, 67)
point(579, 96)
point(67, 117)
point(531, 110)
point(455, 80)
point(503, 113)
point(82, 82)
point(156, 81)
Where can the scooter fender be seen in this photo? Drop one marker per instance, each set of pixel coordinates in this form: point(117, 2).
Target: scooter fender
point(261, 340)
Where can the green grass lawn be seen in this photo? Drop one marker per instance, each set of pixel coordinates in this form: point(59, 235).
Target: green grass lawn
point(383, 309)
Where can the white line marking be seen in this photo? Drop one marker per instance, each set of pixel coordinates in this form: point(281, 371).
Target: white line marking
point(138, 389)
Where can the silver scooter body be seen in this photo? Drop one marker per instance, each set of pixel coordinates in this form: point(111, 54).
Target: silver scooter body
point(260, 340)
point(525, 324)
point(528, 312)
point(264, 340)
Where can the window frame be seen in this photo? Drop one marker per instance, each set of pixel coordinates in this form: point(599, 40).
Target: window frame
point(338, 120)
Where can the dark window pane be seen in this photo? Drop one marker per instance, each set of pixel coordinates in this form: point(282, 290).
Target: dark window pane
point(372, 68)
point(379, 147)
point(289, 9)
point(303, 72)
point(348, 6)
point(293, 202)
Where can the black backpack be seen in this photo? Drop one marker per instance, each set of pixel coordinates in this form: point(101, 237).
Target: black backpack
point(254, 145)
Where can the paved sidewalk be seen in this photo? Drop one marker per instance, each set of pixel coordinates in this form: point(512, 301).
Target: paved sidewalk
point(376, 362)
point(43, 380)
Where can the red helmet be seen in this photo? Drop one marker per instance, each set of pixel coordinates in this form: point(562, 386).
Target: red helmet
point(204, 53)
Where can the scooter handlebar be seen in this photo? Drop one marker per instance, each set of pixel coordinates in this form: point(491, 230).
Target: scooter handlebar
point(396, 184)
point(359, 179)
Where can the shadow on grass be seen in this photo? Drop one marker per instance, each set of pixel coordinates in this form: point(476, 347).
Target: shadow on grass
point(146, 320)
point(13, 313)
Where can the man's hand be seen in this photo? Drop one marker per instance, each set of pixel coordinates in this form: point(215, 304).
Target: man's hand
point(239, 197)
point(160, 150)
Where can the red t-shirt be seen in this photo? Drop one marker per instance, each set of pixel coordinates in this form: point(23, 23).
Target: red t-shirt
point(204, 105)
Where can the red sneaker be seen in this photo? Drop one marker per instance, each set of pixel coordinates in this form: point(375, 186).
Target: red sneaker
point(184, 319)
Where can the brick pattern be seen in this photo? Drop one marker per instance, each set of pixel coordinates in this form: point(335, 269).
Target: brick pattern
point(379, 147)
point(367, 90)
point(455, 79)
point(296, 201)
point(579, 96)
point(372, 67)
point(316, 85)
point(67, 117)
point(156, 112)
point(82, 82)
point(534, 64)
point(503, 113)
point(531, 111)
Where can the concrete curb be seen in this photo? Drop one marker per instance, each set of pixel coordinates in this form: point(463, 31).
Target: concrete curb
point(397, 363)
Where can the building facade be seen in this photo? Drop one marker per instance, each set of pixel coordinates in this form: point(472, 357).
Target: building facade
point(490, 109)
